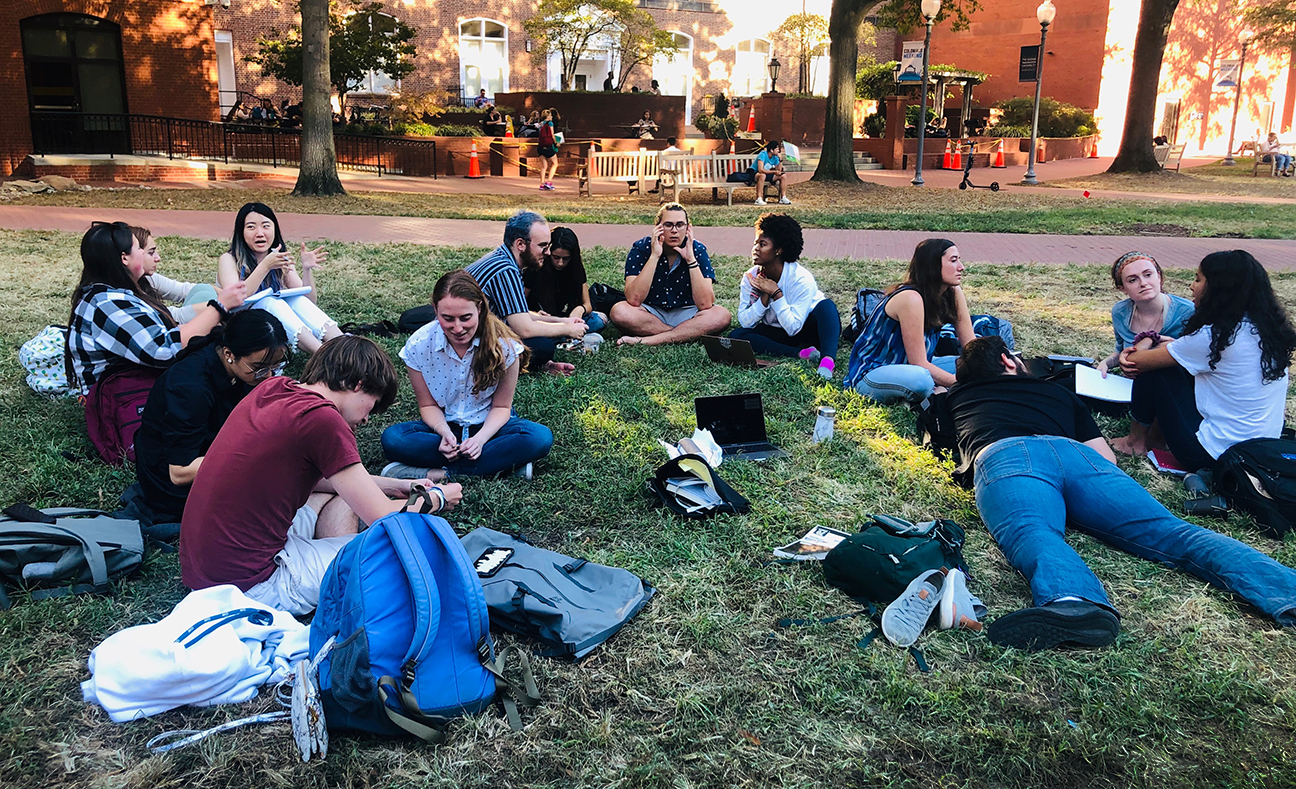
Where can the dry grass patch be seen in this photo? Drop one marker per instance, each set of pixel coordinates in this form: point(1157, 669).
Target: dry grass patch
point(1210, 179)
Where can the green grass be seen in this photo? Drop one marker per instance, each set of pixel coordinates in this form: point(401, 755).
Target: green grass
point(701, 689)
point(862, 207)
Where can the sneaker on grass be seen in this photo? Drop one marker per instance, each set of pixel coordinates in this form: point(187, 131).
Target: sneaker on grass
point(905, 619)
point(958, 606)
point(1063, 623)
point(402, 471)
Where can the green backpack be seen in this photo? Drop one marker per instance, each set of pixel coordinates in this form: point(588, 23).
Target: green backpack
point(878, 562)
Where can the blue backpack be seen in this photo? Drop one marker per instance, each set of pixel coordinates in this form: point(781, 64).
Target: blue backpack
point(410, 630)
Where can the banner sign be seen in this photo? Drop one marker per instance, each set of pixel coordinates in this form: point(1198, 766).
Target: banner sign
point(911, 58)
point(1028, 68)
point(1228, 74)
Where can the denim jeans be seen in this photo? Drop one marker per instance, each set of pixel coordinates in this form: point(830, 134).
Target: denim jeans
point(517, 443)
point(892, 383)
point(821, 330)
point(595, 321)
point(1284, 160)
point(542, 352)
point(1029, 488)
point(1167, 397)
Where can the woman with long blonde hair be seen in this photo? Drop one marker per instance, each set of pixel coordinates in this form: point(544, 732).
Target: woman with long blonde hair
point(464, 368)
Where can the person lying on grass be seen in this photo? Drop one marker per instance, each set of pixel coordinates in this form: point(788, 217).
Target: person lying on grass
point(781, 310)
point(193, 398)
point(669, 286)
point(499, 273)
point(464, 369)
point(282, 488)
point(1146, 308)
point(1040, 463)
point(1225, 379)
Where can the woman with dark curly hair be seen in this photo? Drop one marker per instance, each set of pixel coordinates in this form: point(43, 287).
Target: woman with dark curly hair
point(781, 310)
point(1222, 382)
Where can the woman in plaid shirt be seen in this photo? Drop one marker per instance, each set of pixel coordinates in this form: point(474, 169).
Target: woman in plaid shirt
point(115, 317)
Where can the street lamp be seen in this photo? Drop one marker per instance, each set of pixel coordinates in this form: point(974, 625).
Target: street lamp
point(1244, 38)
point(1044, 14)
point(930, 8)
point(774, 66)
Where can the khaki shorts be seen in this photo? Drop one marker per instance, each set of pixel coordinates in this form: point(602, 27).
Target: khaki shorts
point(294, 586)
point(672, 318)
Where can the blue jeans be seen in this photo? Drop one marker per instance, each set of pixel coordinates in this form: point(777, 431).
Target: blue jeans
point(1029, 488)
point(892, 383)
point(517, 443)
point(595, 321)
point(821, 330)
point(1284, 160)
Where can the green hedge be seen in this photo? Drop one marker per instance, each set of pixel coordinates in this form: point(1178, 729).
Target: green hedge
point(1056, 118)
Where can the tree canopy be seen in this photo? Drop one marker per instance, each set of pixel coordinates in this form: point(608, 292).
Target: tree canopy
point(1274, 23)
point(570, 27)
point(806, 37)
point(639, 41)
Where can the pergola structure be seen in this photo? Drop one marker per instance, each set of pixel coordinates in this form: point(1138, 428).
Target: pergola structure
point(944, 78)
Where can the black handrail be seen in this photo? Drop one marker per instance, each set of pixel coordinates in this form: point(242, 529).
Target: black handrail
point(183, 138)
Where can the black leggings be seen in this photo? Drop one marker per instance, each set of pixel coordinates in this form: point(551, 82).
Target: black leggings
point(1166, 396)
point(822, 330)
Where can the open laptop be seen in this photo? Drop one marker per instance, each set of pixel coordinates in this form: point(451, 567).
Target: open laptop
point(737, 422)
point(726, 350)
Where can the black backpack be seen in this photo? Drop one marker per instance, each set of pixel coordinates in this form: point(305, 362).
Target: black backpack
point(879, 562)
point(866, 301)
point(603, 297)
point(1259, 477)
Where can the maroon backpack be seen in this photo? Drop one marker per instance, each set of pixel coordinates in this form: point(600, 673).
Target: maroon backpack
point(113, 409)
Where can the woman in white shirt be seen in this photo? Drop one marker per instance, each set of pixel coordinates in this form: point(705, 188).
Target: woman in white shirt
point(1272, 149)
point(1222, 382)
point(464, 369)
point(781, 310)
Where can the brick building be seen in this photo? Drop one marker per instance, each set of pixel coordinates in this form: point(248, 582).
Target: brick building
point(152, 57)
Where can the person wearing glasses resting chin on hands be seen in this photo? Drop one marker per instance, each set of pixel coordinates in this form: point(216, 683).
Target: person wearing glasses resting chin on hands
point(670, 293)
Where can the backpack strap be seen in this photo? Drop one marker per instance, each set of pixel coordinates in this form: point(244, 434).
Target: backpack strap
point(425, 728)
point(426, 600)
point(510, 694)
point(91, 550)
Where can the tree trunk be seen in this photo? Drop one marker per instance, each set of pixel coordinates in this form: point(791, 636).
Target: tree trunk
point(837, 160)
point(1135, 154)
point(318, 174)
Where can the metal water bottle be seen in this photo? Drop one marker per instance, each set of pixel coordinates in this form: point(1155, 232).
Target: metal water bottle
point(825, 416)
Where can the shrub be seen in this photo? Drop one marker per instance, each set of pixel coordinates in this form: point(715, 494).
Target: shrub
point(874, 125)
point(417, 130)
point(719, 128)
point(1007, 131)
point(1056, 118)
point(456, 130)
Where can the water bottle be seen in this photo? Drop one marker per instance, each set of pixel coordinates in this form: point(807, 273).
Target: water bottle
point(825, 416)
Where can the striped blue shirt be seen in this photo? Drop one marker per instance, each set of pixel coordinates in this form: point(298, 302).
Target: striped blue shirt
point(500, 278)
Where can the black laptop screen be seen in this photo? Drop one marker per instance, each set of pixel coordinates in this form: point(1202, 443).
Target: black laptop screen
point(732, 419)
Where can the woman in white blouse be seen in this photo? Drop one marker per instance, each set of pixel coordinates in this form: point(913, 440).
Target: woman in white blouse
point(464, 368)
point(781, 310)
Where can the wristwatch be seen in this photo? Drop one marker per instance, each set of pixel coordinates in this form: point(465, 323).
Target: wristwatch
point(224, 313)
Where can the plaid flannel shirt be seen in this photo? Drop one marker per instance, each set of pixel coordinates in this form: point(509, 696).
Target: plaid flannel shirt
point(112, 325)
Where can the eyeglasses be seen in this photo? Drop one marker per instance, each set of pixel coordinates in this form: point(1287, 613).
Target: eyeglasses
point(263, 370)
point(675, 225)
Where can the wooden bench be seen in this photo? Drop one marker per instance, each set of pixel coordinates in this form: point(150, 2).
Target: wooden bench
point(1257, 159)
point(711, 171)
point(1169, 155)
point(631, 168)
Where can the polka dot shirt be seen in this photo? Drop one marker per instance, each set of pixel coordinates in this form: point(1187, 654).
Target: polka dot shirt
point(448, 377)
point(671, 287)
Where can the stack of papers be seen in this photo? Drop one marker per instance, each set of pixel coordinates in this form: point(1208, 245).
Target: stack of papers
point(696, 491)
point(813, 546)
point(1090, 383)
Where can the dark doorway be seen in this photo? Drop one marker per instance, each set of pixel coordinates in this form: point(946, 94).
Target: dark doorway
point(1170, 121)
point(76, 86)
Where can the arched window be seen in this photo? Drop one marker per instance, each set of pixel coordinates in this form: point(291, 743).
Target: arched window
point(751, 68)
point(73, 64)
point(483, 57)
point(675, 75)
point(376, 83)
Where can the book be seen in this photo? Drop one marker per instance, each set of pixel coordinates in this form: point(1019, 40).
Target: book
point(1113, 388)
point(813, 546)
point(1166, 463)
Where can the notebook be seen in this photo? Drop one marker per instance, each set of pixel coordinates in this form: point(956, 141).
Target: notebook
point(726, 350)
point(737, 422)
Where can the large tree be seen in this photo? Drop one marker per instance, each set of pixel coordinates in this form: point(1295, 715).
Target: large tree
point(837, 161)
point(639, 42)
point(570, 27)
point(318, 173)
point(1135, 153)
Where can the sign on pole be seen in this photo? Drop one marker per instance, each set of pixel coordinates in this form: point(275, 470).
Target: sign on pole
point(911, 58)
point(1028, 68)
point(1228, 74)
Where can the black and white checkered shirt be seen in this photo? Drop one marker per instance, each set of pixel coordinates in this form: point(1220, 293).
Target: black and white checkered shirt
point(500, 278)
point(112, 325)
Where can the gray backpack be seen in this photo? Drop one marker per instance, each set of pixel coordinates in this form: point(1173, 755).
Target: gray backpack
point(569, 605)
point(81, 551)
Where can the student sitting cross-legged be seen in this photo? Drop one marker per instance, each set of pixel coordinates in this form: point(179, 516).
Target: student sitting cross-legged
point(464, 369)
point(781, 310)
point(282, 489)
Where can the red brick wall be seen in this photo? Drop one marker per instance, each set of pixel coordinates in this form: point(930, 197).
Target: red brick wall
point(168, 51)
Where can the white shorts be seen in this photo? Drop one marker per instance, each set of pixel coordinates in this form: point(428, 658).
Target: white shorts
point(672, 318)
point(294, 586)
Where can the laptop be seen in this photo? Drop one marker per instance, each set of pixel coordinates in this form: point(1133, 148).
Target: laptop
point(737, 422)
point(726, 350)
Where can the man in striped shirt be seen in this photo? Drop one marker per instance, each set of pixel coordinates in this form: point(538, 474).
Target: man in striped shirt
point(499, 273)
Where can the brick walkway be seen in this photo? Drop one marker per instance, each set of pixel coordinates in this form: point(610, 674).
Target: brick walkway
point(1276, 255)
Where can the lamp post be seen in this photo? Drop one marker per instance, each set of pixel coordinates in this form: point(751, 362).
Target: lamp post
point(1244, 38)
point(774, 66)
point(1044, 14)
point(930, 8)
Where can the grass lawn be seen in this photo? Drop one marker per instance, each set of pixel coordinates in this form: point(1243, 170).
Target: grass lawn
point(701, 689)
point(1209, 179)
point(862, 206)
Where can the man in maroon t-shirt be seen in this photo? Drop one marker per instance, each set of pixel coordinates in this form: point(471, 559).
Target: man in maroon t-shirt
point(282, 489)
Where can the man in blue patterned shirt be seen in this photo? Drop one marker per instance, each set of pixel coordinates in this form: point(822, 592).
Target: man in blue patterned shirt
point(670, 293)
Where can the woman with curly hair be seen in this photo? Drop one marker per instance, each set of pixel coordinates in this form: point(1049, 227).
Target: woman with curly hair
point(464, 369)
point(1222, 382)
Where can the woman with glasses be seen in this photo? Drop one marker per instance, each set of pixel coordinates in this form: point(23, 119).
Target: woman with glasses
point(193, 398)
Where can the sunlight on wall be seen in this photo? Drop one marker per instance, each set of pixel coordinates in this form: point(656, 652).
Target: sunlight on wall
point(1122, 22)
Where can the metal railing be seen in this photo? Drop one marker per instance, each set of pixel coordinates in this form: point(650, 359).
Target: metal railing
point(180, 138)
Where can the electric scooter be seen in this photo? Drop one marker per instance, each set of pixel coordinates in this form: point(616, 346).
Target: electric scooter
point(970, 148)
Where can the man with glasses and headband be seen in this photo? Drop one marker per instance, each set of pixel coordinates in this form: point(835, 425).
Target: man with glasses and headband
point(670, 293)
point(499, 274)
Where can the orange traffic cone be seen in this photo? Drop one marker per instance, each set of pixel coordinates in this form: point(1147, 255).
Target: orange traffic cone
point(1093, 150)
point(508, 129)
point(958, 154)
point(999, 157)
point(474, 167)
point(948, 164)
point(751, 120)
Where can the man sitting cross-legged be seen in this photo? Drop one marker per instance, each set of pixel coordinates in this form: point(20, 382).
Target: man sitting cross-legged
point(1040, 463)
point(670, 293)
point(499, 275)
point(281, 489)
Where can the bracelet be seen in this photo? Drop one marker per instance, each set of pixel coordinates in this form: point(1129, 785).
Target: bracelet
point(777, 294)
point(437, 490)
point(224, 313)
point(1148, 335)
point(695, 264)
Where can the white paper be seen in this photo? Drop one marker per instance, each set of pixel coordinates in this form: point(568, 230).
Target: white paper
point(1113, 388)
point(706, 444)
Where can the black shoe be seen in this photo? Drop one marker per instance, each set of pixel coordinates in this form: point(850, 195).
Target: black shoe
point(1071, 622)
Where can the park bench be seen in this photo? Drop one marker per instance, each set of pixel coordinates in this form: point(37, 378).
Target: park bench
point(1169, 155)
point(631, 168)
point(1257, 159)
point(703, 171)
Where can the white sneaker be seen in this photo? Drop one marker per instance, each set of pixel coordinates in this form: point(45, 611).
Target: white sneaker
point(905, 619)
point(525, 472)
point(784, 201)
point(958, 608)
point(759, 201)
point(402, 471)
